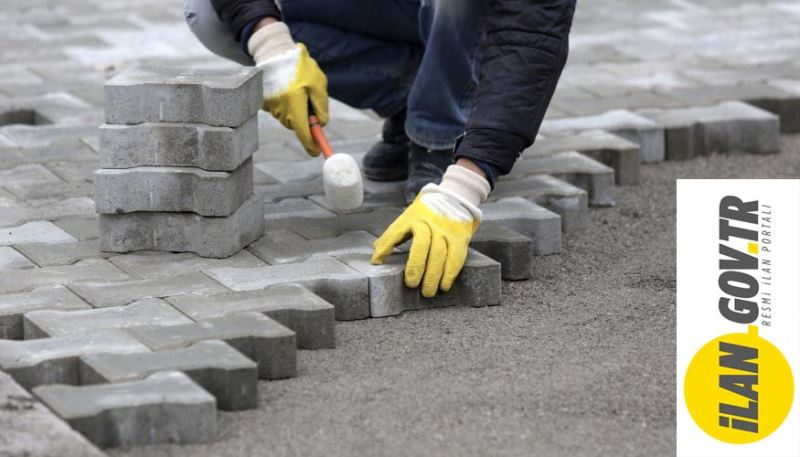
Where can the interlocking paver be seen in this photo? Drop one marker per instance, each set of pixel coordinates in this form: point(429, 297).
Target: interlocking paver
point(374, 222)
point(174, 189)
point(345, 288)
point(13, 306)
point(388, 295)
point(42, 324)
point(271, 345)
point(48, 255)
point(166, 407)
point(284, 246)
point(177, 145)
point(27, 174)
point(30, 429)
point(55, 360)
point(102, 294)
point(527, 218)
point(36, 192)
point(568, 201)
point(295, 207)
point(274, 193)
point(184, 232)
point(82, 228)
point(294, 306)
point(226, 98)
point(478, 284)
point(22, 280)
point(34, 232)
point(284, 171)
point(19, 214)
point(512, 249)
point(11, 259)
point(156, 264)
point(216, 366)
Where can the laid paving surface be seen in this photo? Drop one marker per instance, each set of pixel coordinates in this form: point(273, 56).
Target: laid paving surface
point(578, 360)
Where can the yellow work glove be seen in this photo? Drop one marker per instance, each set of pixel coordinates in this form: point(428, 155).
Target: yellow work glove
point(441, 221)
point(292, 80)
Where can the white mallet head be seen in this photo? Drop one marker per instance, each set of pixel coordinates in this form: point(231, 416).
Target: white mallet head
point(341, 178)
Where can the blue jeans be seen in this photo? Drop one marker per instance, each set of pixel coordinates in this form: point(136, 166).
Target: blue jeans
point(383, 55)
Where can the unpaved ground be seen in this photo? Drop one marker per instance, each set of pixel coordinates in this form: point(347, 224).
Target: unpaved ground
point(578, 361)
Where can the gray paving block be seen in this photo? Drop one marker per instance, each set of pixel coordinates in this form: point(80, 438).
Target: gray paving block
point(48, 255)
point(284, 246)
point(55, 360)
point(292, 305)
point(618, 153)
point(36, 193)
point(584, 172)
point(184, 232)
point(478, 284)
point(285, 171)
point(374, 222)
point(23, 280)
point(723, 128)
point(271, 345)
point(537, 223)
point(370, 202)
point(174, 189)
point(35, 232)
point(787, 106)
point(166, 407)
point(512, 249)
point(568, 201)
point(11, 259)
point(30, 429)
point(295, 207)
point(345, 288)
point(43, 324)
point(13, 306)
point(156, 264)
point(177, 145)
point(227, 98)
point(102, 294)
point(274, 193)
point(82, 228)
point(216, 366)
point(388, 295)
point(642, 131)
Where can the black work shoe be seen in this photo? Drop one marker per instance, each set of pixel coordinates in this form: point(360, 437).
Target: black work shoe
point(425, 166)
point(387, 160)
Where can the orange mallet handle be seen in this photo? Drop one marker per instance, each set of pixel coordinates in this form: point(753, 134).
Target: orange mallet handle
point(319, 136)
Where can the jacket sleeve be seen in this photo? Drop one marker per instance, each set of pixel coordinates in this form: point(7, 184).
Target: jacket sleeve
point(524, 51)
point(238, 13)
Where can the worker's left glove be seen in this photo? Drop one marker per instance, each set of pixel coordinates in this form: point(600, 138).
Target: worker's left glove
point(292, 80)
point(441, 221)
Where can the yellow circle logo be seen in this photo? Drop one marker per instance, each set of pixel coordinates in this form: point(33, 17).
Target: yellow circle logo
point(739, 387)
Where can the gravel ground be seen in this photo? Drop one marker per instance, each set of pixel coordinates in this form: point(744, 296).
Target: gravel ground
point(578, 361)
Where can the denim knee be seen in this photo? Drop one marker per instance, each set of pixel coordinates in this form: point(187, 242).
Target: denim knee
point(214, 34)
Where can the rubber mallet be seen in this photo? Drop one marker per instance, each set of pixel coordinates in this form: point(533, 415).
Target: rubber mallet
point(341, 176)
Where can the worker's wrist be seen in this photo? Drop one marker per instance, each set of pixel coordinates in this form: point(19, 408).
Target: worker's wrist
point(271, 39)
point(470, 186)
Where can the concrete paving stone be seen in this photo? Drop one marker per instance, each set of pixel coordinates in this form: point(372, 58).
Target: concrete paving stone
point(788, 107)
point(226, 98)
point(286, 171)
point(52, 209)
point(55, 360)
point(24, 280)
point(35, 232)
point(725, 127)
point(174, 189)
point(370, 202)
point(568, 201)
point(216, 366)
point(388, 295)
point(42, 136)
point(478, 285)
point(7, 198)
point(374, 222)
point(30, 429)
point(48, 255)
point(284, 246)
point(13, 154)
point(345, 288)
point(51, 191)
point(166, 407)
point(82, 228)
point(32, 173)
point(271, 345)
point(10, 259)
point(295, 207)
point(527, 218)
point(13, 306)
point(582, 171)
point(102, 294)
point(217, 237)
point(292, 305)
point(156, 265)
point(48, 108)
point(177, 145)
point(47, 323)
point(512, 249)
point(626, 124)
point(74, 170)
point(618, 153)
point(274, 193)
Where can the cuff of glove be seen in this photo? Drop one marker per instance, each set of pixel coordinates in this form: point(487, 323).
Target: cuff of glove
point(466, 184)
point(270, 41)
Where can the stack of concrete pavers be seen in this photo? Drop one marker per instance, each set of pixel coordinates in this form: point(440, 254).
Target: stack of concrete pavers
point(176, 157)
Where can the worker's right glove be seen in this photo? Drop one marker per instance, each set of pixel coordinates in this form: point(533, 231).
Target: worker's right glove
point(441, 220)
point(292, 80)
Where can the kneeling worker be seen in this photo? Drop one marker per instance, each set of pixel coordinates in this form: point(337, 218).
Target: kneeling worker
point(463, 86)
